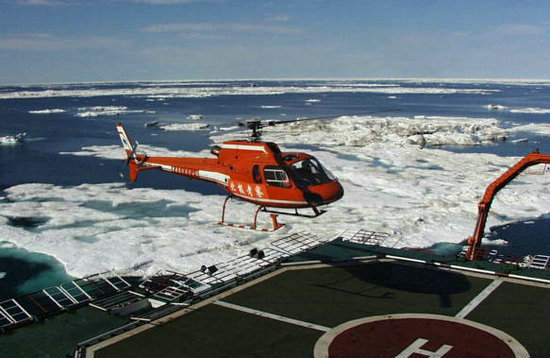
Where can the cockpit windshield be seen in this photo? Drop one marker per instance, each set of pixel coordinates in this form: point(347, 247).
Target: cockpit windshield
point(310, 172)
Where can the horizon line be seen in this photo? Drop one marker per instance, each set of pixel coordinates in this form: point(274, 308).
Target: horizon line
point(434, 79)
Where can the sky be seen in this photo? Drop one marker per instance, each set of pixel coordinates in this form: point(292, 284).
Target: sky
point(59, 41)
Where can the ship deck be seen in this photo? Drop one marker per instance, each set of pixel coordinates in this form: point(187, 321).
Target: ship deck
point(286, 313)
point(338, 299)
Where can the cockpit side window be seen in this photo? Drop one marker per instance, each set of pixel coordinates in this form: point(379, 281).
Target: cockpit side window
point(276, 176)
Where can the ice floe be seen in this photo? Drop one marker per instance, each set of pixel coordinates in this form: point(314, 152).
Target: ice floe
point(422, 195)
point(117, 152)
point(91, 228)
point(497, 107)
point(107, 111)
point(362, 130)
point(164, 92)
point(533, 128)
point(195, 117)
point(533, 110)
point(184, 126)
point(476, 81)
point(12, 139)
point(499, 242)
point(48, 111)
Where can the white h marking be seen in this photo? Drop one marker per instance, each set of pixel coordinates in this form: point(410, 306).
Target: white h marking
point(415, 348)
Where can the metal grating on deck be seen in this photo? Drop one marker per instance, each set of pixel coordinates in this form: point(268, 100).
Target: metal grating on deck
point(56, 299)
point(365, 237)
point(539, 262)
point(225, 272)
point(59, 297)
point(170, 285)
point(109, 292)
point(257, 259)
point(75, 291)
point(120, 299)
point(39, 304)
point(272, 255)
point(102, 284)
point(188, 283)
point(298, 242)
point(115, 281)
point(11, 313)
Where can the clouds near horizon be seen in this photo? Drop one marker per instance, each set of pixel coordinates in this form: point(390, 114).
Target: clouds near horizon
point(178, 39)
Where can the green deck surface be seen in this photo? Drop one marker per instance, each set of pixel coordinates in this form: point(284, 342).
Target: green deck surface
point(57, 336)
point(521, 311)
point(323, 296)
point(214, 331)
point(330, 296)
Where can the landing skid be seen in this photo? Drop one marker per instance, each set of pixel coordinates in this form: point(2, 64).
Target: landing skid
point(316, 212)
point(276, 225)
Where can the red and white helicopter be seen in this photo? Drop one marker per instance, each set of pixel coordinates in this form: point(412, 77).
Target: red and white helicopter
point(251, 170)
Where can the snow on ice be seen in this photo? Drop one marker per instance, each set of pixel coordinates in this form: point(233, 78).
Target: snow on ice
point(357, 131)
point(92, 228)
point(184, 126)
point(195, 117)
point(48, 111)
point(497, 107)
point(394, 181)
point(179, 90)
point(107, 111)
point(12, 139)
point(534, 110)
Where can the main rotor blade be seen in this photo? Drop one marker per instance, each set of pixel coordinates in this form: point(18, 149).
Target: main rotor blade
point(256, 125)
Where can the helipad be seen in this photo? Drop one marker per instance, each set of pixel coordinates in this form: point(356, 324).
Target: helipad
point(301, 297)
point(360, 309)
point(404, 335)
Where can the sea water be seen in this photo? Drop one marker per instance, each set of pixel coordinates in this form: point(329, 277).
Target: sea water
point(65, 210)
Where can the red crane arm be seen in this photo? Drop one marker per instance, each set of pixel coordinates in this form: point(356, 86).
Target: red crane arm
point(474, 242)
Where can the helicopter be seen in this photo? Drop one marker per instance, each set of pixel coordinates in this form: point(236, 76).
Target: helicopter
point(252, 170)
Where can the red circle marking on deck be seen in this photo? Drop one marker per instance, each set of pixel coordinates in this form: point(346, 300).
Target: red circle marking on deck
point(416, 335)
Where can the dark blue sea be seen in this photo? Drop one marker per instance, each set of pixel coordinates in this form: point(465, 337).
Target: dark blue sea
point(61, 118)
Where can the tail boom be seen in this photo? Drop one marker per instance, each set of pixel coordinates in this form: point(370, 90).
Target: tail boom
point(206, 169)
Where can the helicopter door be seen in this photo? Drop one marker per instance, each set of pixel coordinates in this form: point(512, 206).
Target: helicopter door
point(276, 176)
point(256, 174)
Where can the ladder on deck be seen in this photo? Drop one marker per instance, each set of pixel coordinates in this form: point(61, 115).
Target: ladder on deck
point(540, 262)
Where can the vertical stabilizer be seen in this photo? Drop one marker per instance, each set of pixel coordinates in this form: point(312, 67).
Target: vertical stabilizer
point(129, 147)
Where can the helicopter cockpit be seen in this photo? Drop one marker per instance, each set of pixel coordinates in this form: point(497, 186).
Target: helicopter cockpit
point(309, 172)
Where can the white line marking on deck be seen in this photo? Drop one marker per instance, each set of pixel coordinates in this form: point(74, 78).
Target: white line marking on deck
point(478, 299)
point(272, 316)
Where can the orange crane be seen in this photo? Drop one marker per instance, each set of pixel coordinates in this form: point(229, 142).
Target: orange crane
point(474, 242)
